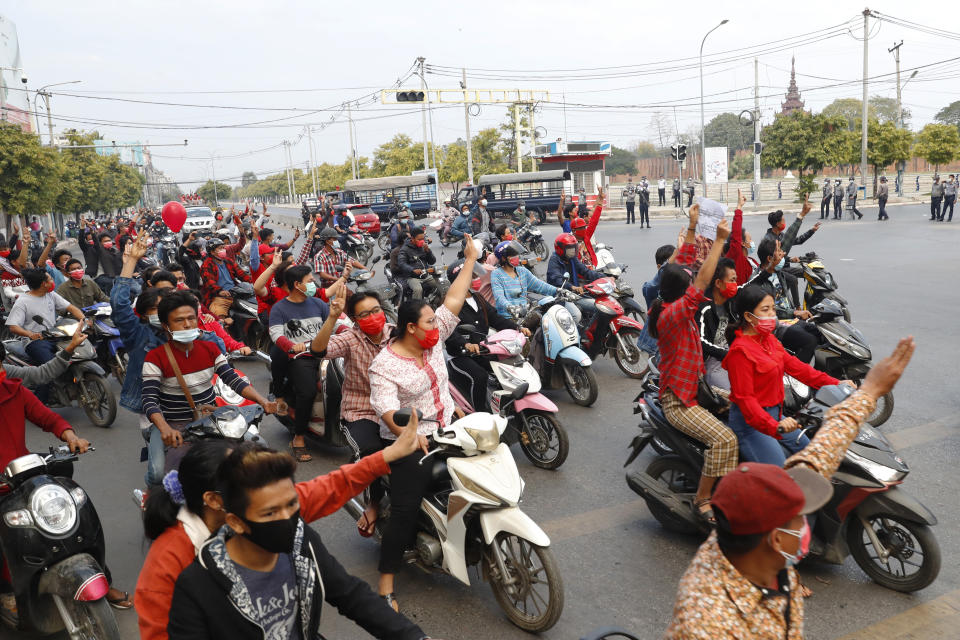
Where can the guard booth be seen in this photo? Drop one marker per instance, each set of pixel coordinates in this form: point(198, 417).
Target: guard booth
point(585, 160)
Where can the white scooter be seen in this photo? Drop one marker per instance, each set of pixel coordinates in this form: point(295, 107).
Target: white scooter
point(470, 516)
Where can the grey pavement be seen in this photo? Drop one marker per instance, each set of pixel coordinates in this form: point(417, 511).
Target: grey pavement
point(619, 566)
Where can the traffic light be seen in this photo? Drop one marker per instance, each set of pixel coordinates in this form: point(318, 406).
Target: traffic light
point(410, 96)
point(757, 148)
point(681, 152)
point(673, 151)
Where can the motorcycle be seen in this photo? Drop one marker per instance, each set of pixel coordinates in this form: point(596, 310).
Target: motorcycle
point(390, 293)
point(104, 336)
point(555, 349)
point(885, 530)
point(246, 326)
point(611, 331)
point(167, 247)
point(821, 284)
point(623, 292)
point(471, 516)
point(844, 353)
point(84, 383)
point(53, 545)
point(237, 423)
point(357, 245)
point(532, 239)
point(513, 393)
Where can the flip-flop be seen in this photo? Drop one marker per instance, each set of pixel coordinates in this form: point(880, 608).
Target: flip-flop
point(300, 453)
point(367, 529)
point(121, 603)
point(705, 514)
point(392, 601)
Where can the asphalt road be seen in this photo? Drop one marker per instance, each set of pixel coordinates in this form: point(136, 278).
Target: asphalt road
point(619, 566)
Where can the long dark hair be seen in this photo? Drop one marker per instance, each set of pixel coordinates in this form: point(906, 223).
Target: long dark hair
point(408, 313)
point(197, 475)
point(674, 280)
point(748, 298)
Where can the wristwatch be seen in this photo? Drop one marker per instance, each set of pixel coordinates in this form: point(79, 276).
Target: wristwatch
point(780, 429)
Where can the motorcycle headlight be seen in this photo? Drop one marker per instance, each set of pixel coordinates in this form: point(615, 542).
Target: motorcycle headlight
point(565, 320)
point(231, 424)
point(53, 509)
point(512, 346)
point(880, 472)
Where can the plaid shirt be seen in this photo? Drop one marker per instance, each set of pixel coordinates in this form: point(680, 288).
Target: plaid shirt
point(716, 602)
point(681, 354)
point(210, 276)
point(326, 262)
point(358, 351)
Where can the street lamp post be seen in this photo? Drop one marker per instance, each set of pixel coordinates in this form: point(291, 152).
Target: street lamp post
point(703, 140)
point(46, 101)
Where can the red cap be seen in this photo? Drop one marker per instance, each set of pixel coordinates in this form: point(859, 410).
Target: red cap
point(757, 498)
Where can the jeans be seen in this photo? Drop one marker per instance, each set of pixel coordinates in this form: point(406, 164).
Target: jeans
point(418, 287)
point(759, 447)
point(156, 457)
point(41, 352)
point(409, 481)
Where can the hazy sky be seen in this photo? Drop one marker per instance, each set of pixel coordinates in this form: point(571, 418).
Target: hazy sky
point(275, 58)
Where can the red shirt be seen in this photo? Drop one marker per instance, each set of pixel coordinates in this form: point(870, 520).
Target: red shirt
point(735, 253)
point(18, 404)
point(588, 234)
point(173, 551)
point(756, 365)
point(681, 354)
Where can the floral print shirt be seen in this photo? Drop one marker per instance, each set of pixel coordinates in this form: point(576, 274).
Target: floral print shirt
point(715, 602)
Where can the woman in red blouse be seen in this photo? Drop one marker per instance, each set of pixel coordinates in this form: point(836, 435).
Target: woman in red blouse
point(756, 363)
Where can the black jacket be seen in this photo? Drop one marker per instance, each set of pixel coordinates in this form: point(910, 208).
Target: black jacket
point(784, 306)
point(708, 321)
point(211, 601)
point(483, 318)
point(413, 257)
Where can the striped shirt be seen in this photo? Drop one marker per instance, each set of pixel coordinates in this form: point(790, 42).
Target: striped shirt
point(161, 390)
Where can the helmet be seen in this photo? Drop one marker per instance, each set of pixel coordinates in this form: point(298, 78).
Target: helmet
point(507, 249)
point(406, 204)
point(479, 244)
point(447, 201)
point(578, 226)
point(327, 233)
point(563, 242)
point(213, 244)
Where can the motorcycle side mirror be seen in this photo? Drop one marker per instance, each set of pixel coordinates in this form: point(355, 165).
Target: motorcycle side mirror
point(39, 320)
point(401, 417)
point(377, 259)
point(520, 391)
point(466, 329)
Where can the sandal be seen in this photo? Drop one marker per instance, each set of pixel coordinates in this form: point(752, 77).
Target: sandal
point(123, 602)
point(365, 526)
point(392, 601)
point(805, 591)
point(300, 453)
point(706, 515)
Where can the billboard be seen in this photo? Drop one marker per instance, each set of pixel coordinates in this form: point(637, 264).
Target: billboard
point(127, 152)
point(14, 106)
point(716, 164)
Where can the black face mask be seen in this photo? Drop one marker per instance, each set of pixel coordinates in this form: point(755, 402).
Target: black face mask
point(275, 536)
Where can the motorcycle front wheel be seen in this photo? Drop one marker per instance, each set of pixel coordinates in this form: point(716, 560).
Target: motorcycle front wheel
point(534, 600)
point(580, 382)
point(118, 366)
point(91, 620)
point(364, 254)
point(680, 478)
point(100, 405)
point(384, 241)
point(544, 440)
point(540, 250)
point(914, 560)
point(631, 359)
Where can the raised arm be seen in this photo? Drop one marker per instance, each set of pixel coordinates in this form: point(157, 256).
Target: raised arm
point(260, 286)
point(51, 241)
point(710, 264)
point(461, 286)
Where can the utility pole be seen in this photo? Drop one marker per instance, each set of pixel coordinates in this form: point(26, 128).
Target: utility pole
point(516, 135)
point(213, 170)
point(289, 170)
point(895, 50)
point(756, 133)
point(46, 102)
point(423, 114)
point(313, 173)
point(533, 139)
point(466, 121)
point(353, 152)
point(863, 127)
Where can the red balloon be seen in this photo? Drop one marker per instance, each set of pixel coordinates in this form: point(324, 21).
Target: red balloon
point(174, 215)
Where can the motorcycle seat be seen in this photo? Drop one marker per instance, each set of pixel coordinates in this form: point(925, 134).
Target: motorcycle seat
point(16, 348)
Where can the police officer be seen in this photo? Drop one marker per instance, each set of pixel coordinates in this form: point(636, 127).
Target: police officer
point(949, 197)
point(676, 192)
point(825, 202)
point(852, 198)
point(837, 200)
point(936, 197)
point(644, 193)
point(661, 191)
point(630, 195)
point(690, 191)
point(883, 192)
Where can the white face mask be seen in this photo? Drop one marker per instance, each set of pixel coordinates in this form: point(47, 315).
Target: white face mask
point(483, 202)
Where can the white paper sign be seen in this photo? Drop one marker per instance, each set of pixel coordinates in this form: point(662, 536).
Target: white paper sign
point(711, 213)
point(716, 164)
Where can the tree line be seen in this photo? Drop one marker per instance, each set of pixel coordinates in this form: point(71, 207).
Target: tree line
point(36, 180)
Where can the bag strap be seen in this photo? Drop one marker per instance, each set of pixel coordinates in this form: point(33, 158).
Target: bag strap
point(183, 383)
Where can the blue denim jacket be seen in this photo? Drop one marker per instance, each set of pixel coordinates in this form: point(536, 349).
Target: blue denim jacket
point(138, 339)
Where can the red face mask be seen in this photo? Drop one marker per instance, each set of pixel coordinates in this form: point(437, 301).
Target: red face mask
point(766, 325)
point(419, 243)
point(108, 245)
point(50, 287)
point(4, 254)
point(781, 226)
point(221, 253)
point(729, 289)
point(430, 338)
point(508, 236)
point(476, 283)
point(514, 261)
point(372, 325)
point(77, 274)
point(182, 285)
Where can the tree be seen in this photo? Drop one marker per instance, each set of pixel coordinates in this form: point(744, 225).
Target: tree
point(223, 191)
point(82, 175)
point(660, 128)
point(621, 162)
point(725, 130)
point(950, 114)
point(401, 156)
point(248, 178)
point(880, 108)
point(29, 173)
point(644, 149)
point(120, 185)
point(508, 138)
point(796, 142)
point(886, 110)
point(741, 168)
point(937, 144)
point(886, 144)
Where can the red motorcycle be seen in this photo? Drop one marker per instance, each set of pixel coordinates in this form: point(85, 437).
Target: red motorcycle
point(610, 330)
